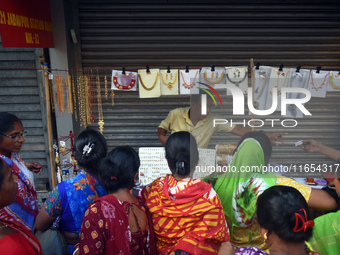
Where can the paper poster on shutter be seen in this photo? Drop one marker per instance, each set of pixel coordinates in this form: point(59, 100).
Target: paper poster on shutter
point(261, 82)
point(127, 81)
point(189, 82)
point(278, 79)
point(149, 85)
point(298, 80)
point(318, 82)
point(211, 78)
point(169, 82)
point(238, 76)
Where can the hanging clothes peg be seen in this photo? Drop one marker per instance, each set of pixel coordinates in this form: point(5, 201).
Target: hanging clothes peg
point(280, 68)
point(187, 69)
point(123, 71)
point(257, 66)
point(168, 70)
point(298, 69)
point(148, 69)
point(318, 69)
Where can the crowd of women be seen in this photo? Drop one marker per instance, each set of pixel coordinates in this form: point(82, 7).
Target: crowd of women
point(95, 212)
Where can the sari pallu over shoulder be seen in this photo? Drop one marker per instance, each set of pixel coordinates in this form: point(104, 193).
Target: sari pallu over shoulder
point(76, 195)
point(239, 190)
point(25, 208)
point(27, 235)
point(187, 215)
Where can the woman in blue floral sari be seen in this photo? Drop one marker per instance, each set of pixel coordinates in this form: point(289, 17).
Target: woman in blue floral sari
point(70, 199)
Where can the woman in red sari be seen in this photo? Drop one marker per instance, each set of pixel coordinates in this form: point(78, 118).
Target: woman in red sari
point(14, 237)
point(187, 213)
point(118, 223)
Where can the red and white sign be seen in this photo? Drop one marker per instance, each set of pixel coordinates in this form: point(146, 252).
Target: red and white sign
point(26, 24)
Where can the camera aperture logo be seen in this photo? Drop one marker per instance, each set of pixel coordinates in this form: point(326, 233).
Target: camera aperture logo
point(238, 105)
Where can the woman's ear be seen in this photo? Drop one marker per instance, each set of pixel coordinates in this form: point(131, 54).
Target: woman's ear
point(264, 234)
point(136, 177)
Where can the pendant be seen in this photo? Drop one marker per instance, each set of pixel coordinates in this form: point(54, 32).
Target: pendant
point(101, 126)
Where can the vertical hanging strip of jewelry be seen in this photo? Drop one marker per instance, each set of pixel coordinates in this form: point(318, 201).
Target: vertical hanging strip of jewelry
point(87, 90)
point(100, 107)
point(74, 98)
point(93, 96)
point(112, 95)
point(60, 93)
point(80, 99)
point(51, 90)
point(106, 89)
point(67, 85)
point(70, 92)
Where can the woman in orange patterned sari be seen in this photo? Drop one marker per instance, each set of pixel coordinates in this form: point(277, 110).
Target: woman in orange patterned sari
point(187, 214)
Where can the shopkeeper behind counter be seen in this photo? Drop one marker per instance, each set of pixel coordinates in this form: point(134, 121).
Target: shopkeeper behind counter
point(202, 127)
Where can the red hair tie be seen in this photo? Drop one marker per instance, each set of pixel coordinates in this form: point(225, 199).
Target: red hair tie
point(305, 223)
point(113, 178)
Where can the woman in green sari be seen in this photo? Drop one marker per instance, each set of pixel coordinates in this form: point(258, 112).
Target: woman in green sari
point(239, 188)
point(326, 231)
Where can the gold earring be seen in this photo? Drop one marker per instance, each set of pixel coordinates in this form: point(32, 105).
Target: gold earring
point(265, 236)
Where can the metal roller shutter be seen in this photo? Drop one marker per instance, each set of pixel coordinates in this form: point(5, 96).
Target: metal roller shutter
point(132, 34)
point(21, 93)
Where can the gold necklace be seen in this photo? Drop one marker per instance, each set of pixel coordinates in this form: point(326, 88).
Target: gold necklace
point(169, 84)
point(60, 93)
point(322, 84)
point(82, 100)
point(210, 81)
point(100, 107)
point(332, 82)
point(191, 85)
point(74, 99)
point(278, 81)
point(106, 90)
point(154, 84)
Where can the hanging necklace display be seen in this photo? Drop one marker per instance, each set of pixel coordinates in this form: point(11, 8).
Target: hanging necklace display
point(169, 82)
point(81, 81)
point(189, 81)
point(238, 76)
point(278, 79)
point(298, 80)
point(51, 90)
point(74, 98)
point(149, 84)
point(106, 89)
point(69, 94)
point(334, 81)
point(318, 83)
point(212, 76)
point(100, 107)
point(93, 96)
point(261, 81)
point(87, 99)
point(60, 93)
point(125, 81)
